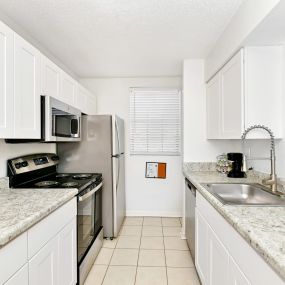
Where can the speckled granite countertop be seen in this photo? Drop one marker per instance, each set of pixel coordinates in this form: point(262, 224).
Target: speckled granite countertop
point(20, 209)
point(266, 235)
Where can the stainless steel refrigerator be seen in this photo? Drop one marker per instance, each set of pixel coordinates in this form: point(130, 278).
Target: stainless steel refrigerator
point(101, 150)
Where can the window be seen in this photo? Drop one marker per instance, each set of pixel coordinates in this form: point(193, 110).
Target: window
point(155, 121)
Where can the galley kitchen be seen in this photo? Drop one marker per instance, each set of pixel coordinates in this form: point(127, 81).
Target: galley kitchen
point(142, 142)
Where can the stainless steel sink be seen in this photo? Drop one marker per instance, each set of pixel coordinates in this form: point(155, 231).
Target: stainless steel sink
point(245, 194)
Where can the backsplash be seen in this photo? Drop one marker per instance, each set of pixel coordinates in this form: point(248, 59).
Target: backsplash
point(8, 151)
point(211, 166)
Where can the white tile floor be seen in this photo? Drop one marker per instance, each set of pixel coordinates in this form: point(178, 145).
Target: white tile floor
point(148, 251)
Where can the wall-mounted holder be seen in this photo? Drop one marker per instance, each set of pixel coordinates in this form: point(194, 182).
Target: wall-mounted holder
point(155, 170)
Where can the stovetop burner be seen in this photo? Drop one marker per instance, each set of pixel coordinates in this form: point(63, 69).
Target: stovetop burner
point(47, 183)
point(69, 184)
point(62, 175)
point(82, 176)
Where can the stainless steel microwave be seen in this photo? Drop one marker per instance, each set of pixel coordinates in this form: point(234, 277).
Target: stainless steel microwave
point(60, 121)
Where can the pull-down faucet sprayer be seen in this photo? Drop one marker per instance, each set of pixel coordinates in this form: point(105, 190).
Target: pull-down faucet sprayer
point(272, 181)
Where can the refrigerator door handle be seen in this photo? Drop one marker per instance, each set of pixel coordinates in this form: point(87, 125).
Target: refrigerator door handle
point(118, 174)
point(117, 135)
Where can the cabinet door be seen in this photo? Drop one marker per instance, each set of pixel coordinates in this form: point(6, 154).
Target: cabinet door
point(219, 261)
point(264, 79)
point(81, 99)
point(27, 90)
point(68, 88)
point(67, 254)
point(232, 90)
point(201, 247)
point(6, 82)
point(213, 108)
point(50, 78)
point(43, 267)
point(20, 277)
point(91, 104)
point(236, 275)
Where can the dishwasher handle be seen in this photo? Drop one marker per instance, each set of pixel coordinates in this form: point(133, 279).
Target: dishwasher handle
point(191, 188)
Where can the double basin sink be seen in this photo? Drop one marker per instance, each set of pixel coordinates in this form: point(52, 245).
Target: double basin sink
point(245, 194)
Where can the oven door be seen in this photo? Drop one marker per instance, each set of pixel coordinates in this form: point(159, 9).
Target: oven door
point(89, 219)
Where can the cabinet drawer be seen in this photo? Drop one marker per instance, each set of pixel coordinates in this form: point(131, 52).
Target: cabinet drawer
point(12, 257)
point(46, 229)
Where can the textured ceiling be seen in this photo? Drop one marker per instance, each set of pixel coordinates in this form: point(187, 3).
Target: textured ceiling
point(103, 38)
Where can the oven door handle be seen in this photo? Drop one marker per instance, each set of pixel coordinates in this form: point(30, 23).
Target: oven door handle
point(87, 195)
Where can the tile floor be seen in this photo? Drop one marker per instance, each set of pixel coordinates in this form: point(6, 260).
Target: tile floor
point(148, 251)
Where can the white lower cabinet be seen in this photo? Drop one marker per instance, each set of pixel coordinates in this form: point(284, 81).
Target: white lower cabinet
point(21, 277)
point(44, 255)
point(223, 257)
point(218, 259)
point(44, 266)
point(56, 262)
point(236, 275)
point(201, 241)
point(67, 257)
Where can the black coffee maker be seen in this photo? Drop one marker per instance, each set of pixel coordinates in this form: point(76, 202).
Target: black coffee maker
point(237, 162)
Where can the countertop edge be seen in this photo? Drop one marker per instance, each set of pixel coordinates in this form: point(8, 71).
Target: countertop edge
point(269, 259)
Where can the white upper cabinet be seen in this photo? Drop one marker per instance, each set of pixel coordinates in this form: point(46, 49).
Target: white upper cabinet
point(81, 99)
point(231, 77)
point(92, 104)
point(68, 89)
point(245, 92)
point(25, 75)
point(85, 101)
point(264, 89)
point(27, 116)
point(6, 82)
point(50, 78)
point(213, 91)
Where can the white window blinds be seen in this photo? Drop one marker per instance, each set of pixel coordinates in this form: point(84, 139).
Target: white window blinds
point(155, 121)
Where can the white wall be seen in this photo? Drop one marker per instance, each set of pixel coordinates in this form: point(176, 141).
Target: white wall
point(8, 151)
point(248, 17)
point(155, 197)
point(196, 147)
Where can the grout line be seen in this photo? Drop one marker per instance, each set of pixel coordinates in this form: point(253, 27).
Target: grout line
point(108, 264)
point(139, 251)
point(165, 260)
point(147, 266)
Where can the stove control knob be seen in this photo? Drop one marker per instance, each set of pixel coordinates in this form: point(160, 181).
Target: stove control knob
point(18, 165)
point(54, 158)
point(24, 164)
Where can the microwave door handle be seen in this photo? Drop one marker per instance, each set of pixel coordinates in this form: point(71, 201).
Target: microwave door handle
point(87, 195)
point(77, 118)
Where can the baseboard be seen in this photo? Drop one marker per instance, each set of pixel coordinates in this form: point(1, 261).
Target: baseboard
point(153, 214)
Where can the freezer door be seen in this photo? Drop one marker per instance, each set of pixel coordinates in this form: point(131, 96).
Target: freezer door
point(118, 135)
point(119, 192)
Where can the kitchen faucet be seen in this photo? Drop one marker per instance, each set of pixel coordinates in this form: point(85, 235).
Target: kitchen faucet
point(272, 181)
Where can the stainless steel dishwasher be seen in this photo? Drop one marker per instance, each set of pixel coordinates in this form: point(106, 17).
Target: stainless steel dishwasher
point(190, 204)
